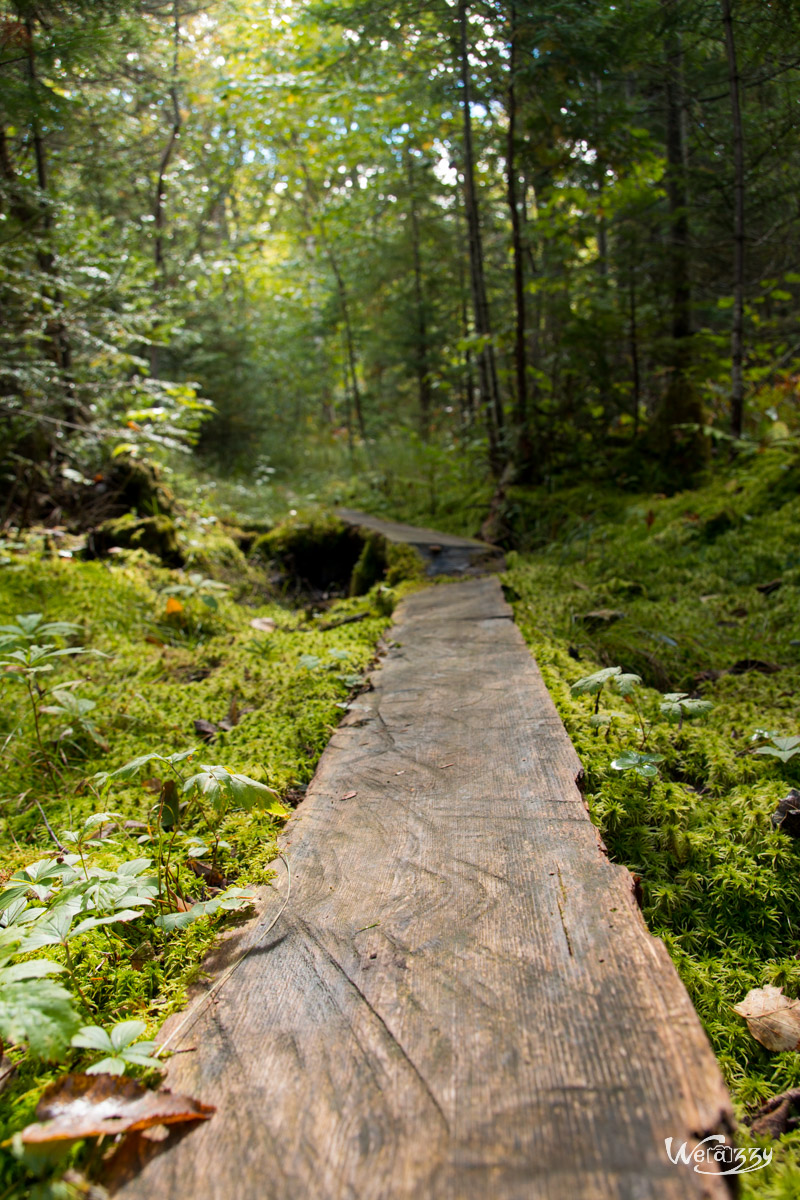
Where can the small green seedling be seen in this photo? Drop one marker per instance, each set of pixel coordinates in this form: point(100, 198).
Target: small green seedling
point(73, 709)
point(592, 685)
point(680, 707)
point(210, 591)
point(231, 900)
point(28, 627)
point(783, 748)
point(121, 1047)
point(643, 765)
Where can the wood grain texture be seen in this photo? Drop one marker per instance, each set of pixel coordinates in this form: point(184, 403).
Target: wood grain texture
point(443, 553)
point(461, 1000)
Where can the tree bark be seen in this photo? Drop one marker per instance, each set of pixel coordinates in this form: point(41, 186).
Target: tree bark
point(633, 335)
point(166, 157)
point(520, 347)
point(421, 354)
point(341, 289)
point(487, 371)
point(56, 342)
point(737, 327)
point(159, 215)
point(676, 436)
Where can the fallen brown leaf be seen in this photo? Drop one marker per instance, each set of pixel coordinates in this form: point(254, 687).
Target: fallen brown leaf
point(206, 730)
point(775, 1117)
point(209, 875)
point(787, 815)
point(79, 1106)
point(772, 1018)
point(263, 624)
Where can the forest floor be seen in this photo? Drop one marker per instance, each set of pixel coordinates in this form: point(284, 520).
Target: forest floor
point(459, 993)
point(146, 666)
point(696, 594)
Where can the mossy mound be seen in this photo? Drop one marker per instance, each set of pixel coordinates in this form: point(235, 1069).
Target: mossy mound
point(319, 553)
point(157, 535)
point(313, 553)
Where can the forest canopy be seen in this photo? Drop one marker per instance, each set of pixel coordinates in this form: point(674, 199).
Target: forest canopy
point(536, 238)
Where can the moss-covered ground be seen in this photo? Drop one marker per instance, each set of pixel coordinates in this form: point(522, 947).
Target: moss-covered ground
point(719, 884)
point(174, 647)
point(698, 593)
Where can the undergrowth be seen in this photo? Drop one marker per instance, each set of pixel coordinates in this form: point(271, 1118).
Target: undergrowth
point(698, 594)
point(138, 654)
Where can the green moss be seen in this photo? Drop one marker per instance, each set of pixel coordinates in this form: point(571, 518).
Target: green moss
point(403, 562)
point(312, 551)
point(284, 692)
point(721, 887)
point(156, 535)
point(371, 565)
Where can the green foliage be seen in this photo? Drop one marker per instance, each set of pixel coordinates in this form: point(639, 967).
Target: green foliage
point(643, 765)
point(123, 912)
point(679, 706)
point(675, 785)
point(33, 1009)
point(784, 748)
point(121, 1047)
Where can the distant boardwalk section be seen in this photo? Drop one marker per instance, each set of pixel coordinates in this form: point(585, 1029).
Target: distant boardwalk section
point(443, 553)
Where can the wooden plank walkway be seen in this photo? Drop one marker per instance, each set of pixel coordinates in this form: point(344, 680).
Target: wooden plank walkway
point(443, 553)
point(461, 999)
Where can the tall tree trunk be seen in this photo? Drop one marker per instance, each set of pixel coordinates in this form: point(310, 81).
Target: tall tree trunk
point(469, 409)
point(737, 328)
point(421, 354)
point(520, 347)
point(680, 450)
point(341, 289)
point(487, 371)
point(56, 341)
point(159, 216)
point(349, 343)
point(676, 187)
point(633, 341)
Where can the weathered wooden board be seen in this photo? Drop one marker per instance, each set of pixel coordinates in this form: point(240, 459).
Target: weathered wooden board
point(461, 1000)
point(443, 553)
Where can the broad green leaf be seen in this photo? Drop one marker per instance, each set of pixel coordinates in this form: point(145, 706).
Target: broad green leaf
point(92, 1037)
point(39, 1012)
point(126, 1032)
point(590, 685)
point(625, 683)
point(641, 764)
point(127, 914)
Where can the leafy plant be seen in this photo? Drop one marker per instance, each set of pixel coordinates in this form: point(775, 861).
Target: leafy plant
point(120, 1047)
point(209, 591)
point(680, 707)
point(28, 627)
point(783, 748)
point(73, 709)
point(643, 765)
point(592, 685)
point(230, 900)
point(33, 1008)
